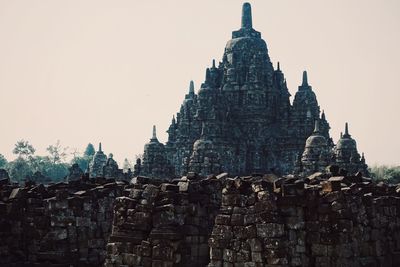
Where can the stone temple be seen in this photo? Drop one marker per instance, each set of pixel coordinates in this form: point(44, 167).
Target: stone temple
point(241, 121)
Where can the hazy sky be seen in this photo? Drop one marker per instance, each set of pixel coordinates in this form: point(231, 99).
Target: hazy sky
point(90, 71)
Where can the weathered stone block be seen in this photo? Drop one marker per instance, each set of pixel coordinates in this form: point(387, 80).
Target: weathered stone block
point(270, 230)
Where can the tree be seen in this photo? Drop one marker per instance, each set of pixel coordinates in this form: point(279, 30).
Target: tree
point(23, 149)
point(57, 153)
point(75, 153)
point(56, 171)
point(387, 174)
point(3, 161)
point(89, 151)
point(19, 169)
point(81, 161)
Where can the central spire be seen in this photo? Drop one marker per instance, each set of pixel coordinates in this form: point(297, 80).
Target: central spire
point(346, 131)
point(154, 133)
point(191, 87)
point(305, 79)
point(246, 29)
point(246, 16)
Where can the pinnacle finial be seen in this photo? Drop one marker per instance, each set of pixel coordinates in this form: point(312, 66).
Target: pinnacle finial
point(213, 63)
point(246, 16)
point(305, 79)
point(316, 126)
point(191, 87)
point(154, 132)
point(279, 66)
point(100, 147)
point(346, 129)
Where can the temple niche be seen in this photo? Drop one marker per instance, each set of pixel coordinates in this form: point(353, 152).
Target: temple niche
point(241, 121)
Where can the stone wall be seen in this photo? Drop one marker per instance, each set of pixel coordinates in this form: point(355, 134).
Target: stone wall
point(259, 221)
point(162, 224)
point(59, 225)
point(216, 221)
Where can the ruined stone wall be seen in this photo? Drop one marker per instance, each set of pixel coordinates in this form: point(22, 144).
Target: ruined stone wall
point(260, 221)
point(192, 221)
point(58, 225)
point(164, 224)
point(289, 223)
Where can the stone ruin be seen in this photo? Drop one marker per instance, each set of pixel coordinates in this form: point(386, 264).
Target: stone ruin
point(242, 121)
point(64, 224)
point(101, 166)
point(317, 216)
point(261, 220)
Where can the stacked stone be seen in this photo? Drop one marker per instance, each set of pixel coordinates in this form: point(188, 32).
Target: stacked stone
point(249, 230)
point(59, 225)
point(352, 222)
point(320, 220)
point(164, 224)
point(291, 205)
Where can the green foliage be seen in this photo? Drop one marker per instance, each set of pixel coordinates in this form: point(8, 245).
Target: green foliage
point(23, 149)
point(89, 151)
point(81, 161)
point(56, 171)
point(3, 162)
point(19, 169)
point(57, 153)
point(27, 164)
point(388, 174)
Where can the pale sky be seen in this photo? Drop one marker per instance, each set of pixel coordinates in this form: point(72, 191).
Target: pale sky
point(90, 71)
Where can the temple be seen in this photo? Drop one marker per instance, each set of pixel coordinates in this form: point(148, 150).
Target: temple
point(101, 166)
point(241, 121)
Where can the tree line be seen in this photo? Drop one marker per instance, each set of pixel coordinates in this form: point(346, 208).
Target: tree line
point(53, 167)
point(385, 173)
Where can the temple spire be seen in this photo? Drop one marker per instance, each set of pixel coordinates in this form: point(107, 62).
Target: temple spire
point(191, 87)
point(100, 147)
point(279, 66)
point(246, 16)
point(154, 132)
point(346, 130)
point(305, 79)
point(213, 63)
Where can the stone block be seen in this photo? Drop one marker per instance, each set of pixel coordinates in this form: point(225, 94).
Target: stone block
point(237, 219)
point(270, 230)
point(331, 186)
